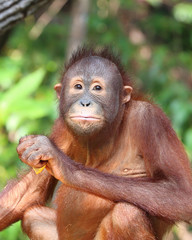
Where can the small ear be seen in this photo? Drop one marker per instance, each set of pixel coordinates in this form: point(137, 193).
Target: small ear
point(127, 90)
point(57, 88)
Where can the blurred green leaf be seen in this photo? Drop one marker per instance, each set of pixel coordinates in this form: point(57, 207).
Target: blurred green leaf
point(188, 138)
point(9, 71)
point(13, 233)
point(24, 87)
point(17, 95)
point(31, 109)
point(154, 2)
point(183, 12)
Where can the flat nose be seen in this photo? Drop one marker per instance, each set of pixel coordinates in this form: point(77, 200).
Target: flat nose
point(85, 103)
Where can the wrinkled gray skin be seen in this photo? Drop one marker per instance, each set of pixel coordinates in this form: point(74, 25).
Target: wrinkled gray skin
point(105, 107)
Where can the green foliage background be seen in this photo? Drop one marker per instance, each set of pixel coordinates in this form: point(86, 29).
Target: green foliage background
point(155, 44)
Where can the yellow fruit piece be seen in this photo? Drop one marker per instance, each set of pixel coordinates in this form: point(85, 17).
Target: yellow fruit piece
point(39, 170)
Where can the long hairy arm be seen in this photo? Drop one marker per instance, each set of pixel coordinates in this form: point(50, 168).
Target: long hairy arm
point(18, 195)
point(166, 192)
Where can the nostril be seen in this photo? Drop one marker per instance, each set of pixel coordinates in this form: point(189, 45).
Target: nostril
point(85, 103)
point(88, 104)
point(82, 103)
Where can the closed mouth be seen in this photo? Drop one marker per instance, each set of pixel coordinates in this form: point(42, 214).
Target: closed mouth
point(85, 118)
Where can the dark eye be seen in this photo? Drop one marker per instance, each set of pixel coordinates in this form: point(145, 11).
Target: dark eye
point(78, 86)
point(97, 88)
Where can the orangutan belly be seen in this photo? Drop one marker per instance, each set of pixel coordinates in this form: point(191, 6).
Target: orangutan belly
point(80, 213)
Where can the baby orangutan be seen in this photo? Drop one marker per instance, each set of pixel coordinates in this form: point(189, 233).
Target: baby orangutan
point(124, 174)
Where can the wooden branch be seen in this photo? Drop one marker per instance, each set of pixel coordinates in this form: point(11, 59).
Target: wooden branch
point(13, 11)
point(46, 17)
point(80, 14)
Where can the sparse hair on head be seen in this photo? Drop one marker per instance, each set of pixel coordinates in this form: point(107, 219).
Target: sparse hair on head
point(105, 53)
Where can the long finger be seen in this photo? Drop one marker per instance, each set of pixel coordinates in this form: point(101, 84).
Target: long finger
point(22, 146)
point(25, 138)
point(29, 150)
point(35, 160)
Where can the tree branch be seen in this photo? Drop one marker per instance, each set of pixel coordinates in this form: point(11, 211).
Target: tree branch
point(80, 13)
point(13, 11)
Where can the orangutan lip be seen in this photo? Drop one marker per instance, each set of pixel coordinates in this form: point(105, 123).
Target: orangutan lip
point(87, 118)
